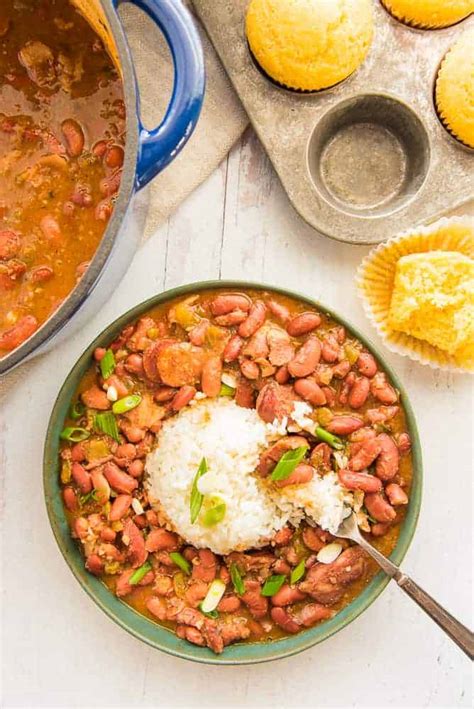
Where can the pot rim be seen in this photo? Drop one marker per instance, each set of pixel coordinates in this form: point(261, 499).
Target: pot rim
point(88, 282)
point(138, 625)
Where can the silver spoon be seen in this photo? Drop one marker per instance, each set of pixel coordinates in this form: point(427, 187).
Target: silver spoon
point(461, 635)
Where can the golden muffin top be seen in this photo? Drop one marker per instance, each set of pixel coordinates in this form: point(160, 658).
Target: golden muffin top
point(309, 44)
point(455, 89)
point(430, 13)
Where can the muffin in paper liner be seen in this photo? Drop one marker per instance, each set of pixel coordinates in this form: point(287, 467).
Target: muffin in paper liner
point(429, 14)
point(454, 90)
point(375, 280)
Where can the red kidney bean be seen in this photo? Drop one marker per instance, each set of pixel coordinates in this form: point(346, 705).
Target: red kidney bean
point(279, 311)
point(367, 364)
point(161, 540)
point(257, 346)
point(255, 319)
point(81, 527)
point(382, 390)
point(314, 538)
point(197, 335)
point(282, 375)
point(115, 381)
point(134, 364)
point(133, 539)
point(134, 434)
point(118, 480)
point(99, 149)
point(104, 209)
point(310, 391)
point(136, 468)
point(312, 613)
point(157, 607)
point(345, 388)
point(404, 443)
point(245, 395)
point(108, 186)
point(70, 499)
point(340, 333)
point(78, 452)
point(229, 604)
point(396, 495)
point(232, 349)
point(99, 353)
point(283, 619)
point(378, 507)
point(120, 507)
point(306, 358)
point(366, 454)
point(302, 474)
point(359, 393)
point(287, 595)
point(382, 414)
point(344, 425)
point(82, 478)
point(339, 371)
point(107, 534)
point(183, 397)
point(10, 244)
point(18, 333)
point(388, 460)
point(227, 302)
point(211, 376)
point(50, 228)
point(359, 481)
point(249, 369)
point(126, 450)
point(236, 317)
point(101, 487)
point(280, 566)
point(379, 529)
point(114, 156)
point(74, 137)
point(303, 323)
point(330, 395)
point(164, 394)
point(94, 564)
point(330, 348)
point(81, 195)
point(282, 537)
point(321, 456)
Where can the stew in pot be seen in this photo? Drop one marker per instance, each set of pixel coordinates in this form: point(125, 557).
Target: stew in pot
point(62, 132)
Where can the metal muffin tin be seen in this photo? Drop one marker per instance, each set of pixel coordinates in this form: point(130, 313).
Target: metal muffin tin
point(369, 157)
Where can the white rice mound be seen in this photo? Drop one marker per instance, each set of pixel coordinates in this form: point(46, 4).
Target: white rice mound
point(231, 438)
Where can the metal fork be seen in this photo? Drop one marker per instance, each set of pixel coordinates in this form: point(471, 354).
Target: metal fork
point(458, 632)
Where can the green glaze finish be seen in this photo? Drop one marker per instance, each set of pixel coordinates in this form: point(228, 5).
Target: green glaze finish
point(142, 627)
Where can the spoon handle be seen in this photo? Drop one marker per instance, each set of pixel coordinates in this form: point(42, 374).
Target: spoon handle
point(458, 632)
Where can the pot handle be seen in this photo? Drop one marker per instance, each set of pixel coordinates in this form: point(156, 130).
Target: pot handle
point(158, 147)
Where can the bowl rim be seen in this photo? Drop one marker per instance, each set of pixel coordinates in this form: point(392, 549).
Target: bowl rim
point(137, 624)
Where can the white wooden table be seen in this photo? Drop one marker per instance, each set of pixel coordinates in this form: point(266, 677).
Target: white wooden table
point(59, 650)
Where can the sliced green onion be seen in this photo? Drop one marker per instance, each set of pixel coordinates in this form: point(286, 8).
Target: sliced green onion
point(239, 586)
point(226, 390)
point(140, 573)
point(180, 561)
point(288, 463)
point(107, 364)
point(76, 435)
point(106, 422)
point(298, 572)
point(195, 503)
point(210, 614)
point(126, 404)
point(77, 410)
point(214, 514)
point(329, 438)
point(84, 499)
point(273, 584)
point(213, 596)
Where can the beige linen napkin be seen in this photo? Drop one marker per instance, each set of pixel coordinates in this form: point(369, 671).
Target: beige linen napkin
point(222, 119)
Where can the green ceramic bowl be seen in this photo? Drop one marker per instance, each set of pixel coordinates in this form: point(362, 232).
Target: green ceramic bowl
point(145, 629)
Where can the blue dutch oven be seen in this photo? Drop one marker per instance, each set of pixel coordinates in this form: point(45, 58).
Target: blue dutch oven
point(147, 152)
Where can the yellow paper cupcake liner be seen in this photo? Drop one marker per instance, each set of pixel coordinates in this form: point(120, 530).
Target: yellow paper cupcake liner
point(375, 280)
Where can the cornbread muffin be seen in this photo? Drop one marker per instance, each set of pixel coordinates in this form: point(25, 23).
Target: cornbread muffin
point(309, 45)
point(430, 14)
point(433, 300)
point(455, 89)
